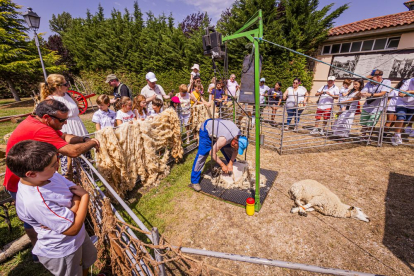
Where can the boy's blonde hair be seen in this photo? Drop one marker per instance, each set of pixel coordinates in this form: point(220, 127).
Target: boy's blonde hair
point(103, 99)
point(183, 88)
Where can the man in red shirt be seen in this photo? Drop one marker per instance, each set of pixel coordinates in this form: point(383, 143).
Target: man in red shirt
point(45, 126)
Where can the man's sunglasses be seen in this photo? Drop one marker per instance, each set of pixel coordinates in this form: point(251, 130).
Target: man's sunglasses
point(59, 119)
point(65, 84)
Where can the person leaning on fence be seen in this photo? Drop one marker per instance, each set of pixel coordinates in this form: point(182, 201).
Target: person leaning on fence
point(45, 126)
point(296, 99)
point(391, 105)
point(153, 90)
point(375, 101)
point(120, 89)
point(139, 107)
point(404, 109)
point(274, 99)
point(54, 206)
point(226, 137)
point(327, 94)
point(343, 125)
point(104, 117)
point(124, 113)
point(157, 105)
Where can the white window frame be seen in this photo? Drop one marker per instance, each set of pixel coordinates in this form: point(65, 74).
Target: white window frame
point(389, 39)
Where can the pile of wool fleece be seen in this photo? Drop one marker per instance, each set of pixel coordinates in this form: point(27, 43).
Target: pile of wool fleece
point(243, 177)
point(131, 150)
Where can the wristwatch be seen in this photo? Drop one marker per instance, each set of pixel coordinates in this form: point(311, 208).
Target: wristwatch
point(372, 94)
point(84, 139)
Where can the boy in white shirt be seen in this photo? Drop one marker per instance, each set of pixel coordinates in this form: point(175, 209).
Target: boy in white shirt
point(104, 117)
point(54, 206)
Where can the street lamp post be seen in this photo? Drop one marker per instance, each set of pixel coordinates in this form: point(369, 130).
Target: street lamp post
point(33, 21)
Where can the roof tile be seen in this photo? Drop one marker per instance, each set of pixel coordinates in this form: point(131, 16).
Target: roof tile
point(392, 20)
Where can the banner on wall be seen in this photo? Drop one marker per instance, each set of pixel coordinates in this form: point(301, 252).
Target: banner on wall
point(396, 65)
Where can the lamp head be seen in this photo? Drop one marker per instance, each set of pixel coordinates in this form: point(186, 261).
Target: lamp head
point(32, 19)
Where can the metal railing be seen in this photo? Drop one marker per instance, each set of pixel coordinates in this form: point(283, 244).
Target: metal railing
point(294, 129)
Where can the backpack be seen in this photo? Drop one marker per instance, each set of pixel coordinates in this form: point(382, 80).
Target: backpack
point(117, 94)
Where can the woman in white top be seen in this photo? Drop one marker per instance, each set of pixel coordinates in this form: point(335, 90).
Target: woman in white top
point(392, 103)
point(296, 98)
point(57, 88)
point(343, 125)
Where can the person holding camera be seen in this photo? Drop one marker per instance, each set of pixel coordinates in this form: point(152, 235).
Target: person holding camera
point(327, 94)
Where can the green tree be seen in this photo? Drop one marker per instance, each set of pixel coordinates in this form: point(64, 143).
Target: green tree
point(60, 23)
point(297, 24)
point(18, 55)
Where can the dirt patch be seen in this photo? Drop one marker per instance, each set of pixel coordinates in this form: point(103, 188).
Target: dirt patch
point(378, 180)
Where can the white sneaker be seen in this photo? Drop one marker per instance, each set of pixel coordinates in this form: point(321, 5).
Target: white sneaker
point(321, 132)
point(315, 131)
point(408, 130)
point(396, 140)
point(286, 128)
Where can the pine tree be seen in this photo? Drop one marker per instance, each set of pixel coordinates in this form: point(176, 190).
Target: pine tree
point(19, 59)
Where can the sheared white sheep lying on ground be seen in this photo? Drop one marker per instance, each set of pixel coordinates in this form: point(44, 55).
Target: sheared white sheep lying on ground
point(310, 195)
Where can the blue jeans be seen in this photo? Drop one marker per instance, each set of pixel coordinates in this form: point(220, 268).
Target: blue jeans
point(293, 112)
point(404, 113)
point(13, 195)
point(204, 148)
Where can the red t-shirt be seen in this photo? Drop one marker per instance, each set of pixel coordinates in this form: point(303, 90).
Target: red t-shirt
point(30, 129)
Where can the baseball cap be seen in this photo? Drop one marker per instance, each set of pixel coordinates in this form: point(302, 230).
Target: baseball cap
point(175, 99)
point(375, 72)
point(196, 66)
point(262, 80)
point(110, 77)
point(332, 78)
point(243, 143)
point(151, 77)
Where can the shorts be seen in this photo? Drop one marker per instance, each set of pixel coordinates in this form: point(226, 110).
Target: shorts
point(73, 264)
point(13, 195)
point(184, 118)
point(404, 113)
point(325, 113)
point(369, 119)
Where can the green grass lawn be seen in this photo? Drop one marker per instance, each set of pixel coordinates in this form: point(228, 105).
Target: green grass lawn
point(11, 100)
point(15, 111)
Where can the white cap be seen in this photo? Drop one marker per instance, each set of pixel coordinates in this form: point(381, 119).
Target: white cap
point(331, 78)
point(263, 79)
point(151, 77)
point(196, 66)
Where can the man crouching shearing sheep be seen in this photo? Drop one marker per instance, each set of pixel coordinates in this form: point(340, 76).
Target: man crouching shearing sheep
point(226, 137)
point(310, 195)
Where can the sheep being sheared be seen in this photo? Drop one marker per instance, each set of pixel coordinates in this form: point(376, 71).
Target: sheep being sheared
point(310, 195)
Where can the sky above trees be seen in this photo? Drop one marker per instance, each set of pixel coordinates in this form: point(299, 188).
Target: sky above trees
point(358, 9)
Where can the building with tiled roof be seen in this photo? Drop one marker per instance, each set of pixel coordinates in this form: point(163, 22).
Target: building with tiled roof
point(384, 42)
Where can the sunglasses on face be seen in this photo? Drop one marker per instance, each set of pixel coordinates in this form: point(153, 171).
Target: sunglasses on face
point(65, 84)
point(59, 119)
point(295, 83)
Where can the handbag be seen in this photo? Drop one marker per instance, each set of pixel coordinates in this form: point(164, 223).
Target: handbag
point(370, 101)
